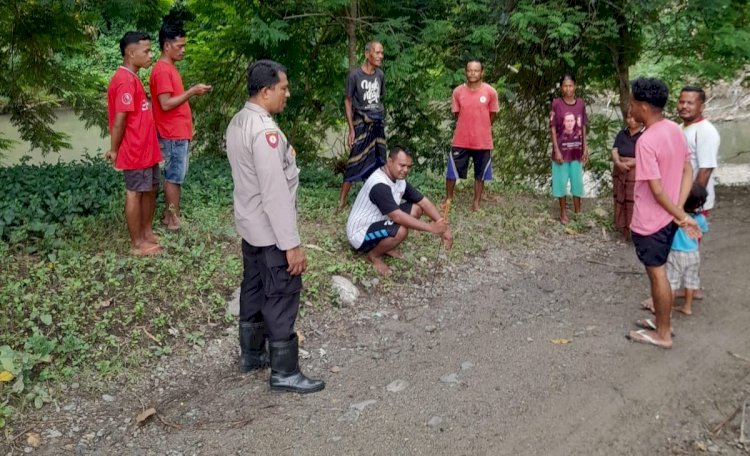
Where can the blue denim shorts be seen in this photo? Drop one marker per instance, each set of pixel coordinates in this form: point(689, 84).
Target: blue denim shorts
point(175, 154)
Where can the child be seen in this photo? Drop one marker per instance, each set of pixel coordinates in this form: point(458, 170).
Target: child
point(568, 122)
point(684, 260)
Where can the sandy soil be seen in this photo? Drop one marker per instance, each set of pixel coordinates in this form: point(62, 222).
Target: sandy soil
point(469, 367)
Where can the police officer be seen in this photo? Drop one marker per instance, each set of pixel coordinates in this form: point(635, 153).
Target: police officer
point(266, 178)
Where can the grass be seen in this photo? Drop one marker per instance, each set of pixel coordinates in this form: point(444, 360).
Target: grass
point(89, 310)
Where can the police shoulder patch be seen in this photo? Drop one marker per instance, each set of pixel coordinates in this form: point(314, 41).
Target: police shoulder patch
point(272, 138)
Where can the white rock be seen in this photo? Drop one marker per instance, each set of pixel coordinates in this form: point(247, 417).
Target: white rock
point(450, 379)
point(346, 290)
point(52, 434)
point(108, 398)
point(397, 386)
point(359, 406)
point(467, 365)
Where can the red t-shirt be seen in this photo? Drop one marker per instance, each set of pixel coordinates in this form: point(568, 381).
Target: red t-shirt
point(139, 148)
point(177, 123)
point(473, 126)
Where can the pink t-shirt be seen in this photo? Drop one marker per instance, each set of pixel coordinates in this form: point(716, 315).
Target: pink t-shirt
point(473, 126)
point(660, 153)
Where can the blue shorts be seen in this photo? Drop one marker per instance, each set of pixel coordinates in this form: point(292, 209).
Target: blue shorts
point(175, 154)
point(562, 173)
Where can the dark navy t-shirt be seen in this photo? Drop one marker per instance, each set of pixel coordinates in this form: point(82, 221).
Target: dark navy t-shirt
point(366, 91)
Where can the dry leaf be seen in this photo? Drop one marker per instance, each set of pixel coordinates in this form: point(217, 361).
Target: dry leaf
point(6, 376)
point(300, 338)
point(33, 439)
point(335, 369)
point(105, 303)
point(701, 446)
point(570, 230)
point(146, 414)
point(560, 341)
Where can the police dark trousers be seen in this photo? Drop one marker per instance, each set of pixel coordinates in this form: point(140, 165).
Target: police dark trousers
point(268, 292)
point(269, 302)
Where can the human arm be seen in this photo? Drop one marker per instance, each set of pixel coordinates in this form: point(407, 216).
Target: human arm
point(115, 136)
point(585, 157)
point(168, 101)
point(276, 198)
point(703, 175)
point(381, 196)
point(621, 165)
point(675, 210)
point(349, 120)
point(556, 154)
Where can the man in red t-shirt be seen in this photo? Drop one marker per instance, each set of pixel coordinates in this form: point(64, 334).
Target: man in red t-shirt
point(134, 148)
point(475, 105)
point(173, 117)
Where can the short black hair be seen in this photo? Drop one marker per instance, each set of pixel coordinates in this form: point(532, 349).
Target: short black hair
point(396, 149)
point(567, 75)
point(263, 73)
point(650, 90)
point(132, 38)
point(170, 31)
point(481, 67)
point(696, 89)
point(696, 199)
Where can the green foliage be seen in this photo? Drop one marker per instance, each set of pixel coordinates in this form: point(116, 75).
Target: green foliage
point(40, 201)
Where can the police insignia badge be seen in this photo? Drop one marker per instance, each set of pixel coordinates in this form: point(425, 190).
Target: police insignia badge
point(272, 138)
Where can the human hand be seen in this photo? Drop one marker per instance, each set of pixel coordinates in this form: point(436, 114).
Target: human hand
point(558, 157)
point(297, 262)
point(439, 226)
point(447, 239)
point(585, 158)
point(111, 155)
point(622, 166)
point(200, 89)
point(350, 139)
point(690, 226)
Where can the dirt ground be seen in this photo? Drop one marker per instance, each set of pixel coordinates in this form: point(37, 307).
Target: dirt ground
point(469, 367)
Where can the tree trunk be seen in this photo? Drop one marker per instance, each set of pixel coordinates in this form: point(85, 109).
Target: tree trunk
point(351, 34)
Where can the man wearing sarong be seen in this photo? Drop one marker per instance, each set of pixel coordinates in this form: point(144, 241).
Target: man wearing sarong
point(365, 89)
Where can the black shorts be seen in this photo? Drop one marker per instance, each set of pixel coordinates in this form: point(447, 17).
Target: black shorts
point(653, 249)
point(381, 230)
point(142, 180)
point(458, 164)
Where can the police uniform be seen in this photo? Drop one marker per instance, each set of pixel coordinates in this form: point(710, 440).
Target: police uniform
point(266, 178)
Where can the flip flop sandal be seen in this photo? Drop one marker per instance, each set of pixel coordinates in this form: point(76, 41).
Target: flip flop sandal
point(641, 336)
point(647, 323)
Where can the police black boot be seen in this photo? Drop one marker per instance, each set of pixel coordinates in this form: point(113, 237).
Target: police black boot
point(253, 353)
point(285, 373)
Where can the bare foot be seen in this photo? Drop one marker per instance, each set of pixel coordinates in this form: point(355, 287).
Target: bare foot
point(150, 238)
point(698, 294)
point(146, 249)
point(683, 309)
point(380, 265)
point(395, 254)
point(474, 207)
point(648, 304)
point(564, 219)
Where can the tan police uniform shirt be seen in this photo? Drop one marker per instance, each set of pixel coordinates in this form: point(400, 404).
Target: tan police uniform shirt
point(265, 177)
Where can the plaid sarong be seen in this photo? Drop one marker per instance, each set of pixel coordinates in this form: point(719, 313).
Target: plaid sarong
point(368, 151)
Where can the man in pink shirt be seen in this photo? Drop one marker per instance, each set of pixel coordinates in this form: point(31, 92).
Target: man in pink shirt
point(663, 176)
point(475, 105)
point(173, 117)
